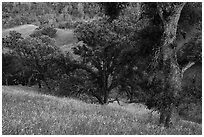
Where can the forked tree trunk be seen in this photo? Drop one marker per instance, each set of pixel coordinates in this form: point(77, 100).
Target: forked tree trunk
point(98, 97)
point(170, 67)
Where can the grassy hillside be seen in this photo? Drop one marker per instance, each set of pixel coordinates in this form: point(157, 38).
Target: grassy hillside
point(24, 111)
point(62, 37)
point(25, 30)
point(65, 37)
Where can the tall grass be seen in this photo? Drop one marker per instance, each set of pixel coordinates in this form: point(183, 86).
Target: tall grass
point(30, 113)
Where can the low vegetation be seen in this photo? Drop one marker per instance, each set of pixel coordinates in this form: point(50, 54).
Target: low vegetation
point(25, 111)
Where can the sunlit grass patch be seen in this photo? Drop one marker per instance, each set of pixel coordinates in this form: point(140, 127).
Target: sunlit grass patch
point(25, 112)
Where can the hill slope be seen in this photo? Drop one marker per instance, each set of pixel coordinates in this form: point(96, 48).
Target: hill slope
point(62, 37)
point(25, 30)
point(24, 111)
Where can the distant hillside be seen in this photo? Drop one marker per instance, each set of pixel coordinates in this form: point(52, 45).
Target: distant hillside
point(25, 111)
point(25, 30)
point(63, 37)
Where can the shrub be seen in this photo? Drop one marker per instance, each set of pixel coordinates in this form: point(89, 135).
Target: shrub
point(49, 31)
point(65, 25)
point(68, 25)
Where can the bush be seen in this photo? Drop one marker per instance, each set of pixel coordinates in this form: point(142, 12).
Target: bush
point(49, 31)
point(68, 25)
point(65, 25)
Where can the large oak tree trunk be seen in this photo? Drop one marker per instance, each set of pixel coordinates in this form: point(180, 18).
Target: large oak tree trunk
point(170, 14)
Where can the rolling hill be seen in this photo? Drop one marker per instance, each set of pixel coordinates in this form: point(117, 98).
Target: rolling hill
point(62, 37)
point(25, 30)
point(65, 39)
point(26, 111)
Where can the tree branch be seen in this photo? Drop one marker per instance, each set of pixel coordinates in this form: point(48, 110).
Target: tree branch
point(187, 67)
point(97, 96)
point(87, 69)
point(159, 8)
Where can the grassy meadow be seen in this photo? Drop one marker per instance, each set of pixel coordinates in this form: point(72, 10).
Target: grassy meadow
point(26, 111)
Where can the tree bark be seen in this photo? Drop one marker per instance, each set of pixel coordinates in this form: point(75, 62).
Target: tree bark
point(170, 66)
point(39, 84)
point(6, 81)
point(47, 85)
point(105, 88)
point(42, 77)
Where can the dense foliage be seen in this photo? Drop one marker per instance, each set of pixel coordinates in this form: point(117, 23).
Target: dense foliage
point(34, 53)
point(47, 13)
point(105, 52)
